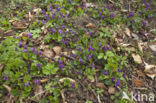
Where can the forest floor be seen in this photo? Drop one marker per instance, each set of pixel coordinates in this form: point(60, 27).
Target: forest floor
point(78, 51)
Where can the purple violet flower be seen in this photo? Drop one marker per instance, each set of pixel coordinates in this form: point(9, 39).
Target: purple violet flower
point(26, 84)
point(40, 53)
point(130, 15)
point(25, 46)
point(50, 8)
point(54, 31)
point(117, 84)
point(72, 85)
point(47, 17)
point(74, 56)
point(105, 48)
point(60, 66)
point(43, 21)
point(93, 66)
point(84, 5)
point(43, 12)
point(53, 16)
point(131, 21)
point(108, 7)
point(20, 44)
point(5, 77)
point(72, 32)
point(112, 15)
point(102, 17)
point(70, 1)
point(38, 65)
point(36, 52)
point(91, 48)
point(123, 75)
point(60, 62)
point(90, 33)
point(119, 70)
point(53, 59)
point(79, 49)
point(81, 61)
point(29, 35)
point(24, 50)
point(36, 81)
point(100, 44)
point(147, 6)
point(79, 72)
point(67, 15)
point(113, 79)
point(105, 72)
point(63, 26)
point(65, 42)
point(144, 23)
point(60, 31)
point(61, 15)
point(52, 86)
point(100, 13)
point(28, 67)
point(58, 9)
point(66, 32)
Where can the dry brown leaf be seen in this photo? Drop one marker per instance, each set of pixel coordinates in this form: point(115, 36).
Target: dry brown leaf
point(18, 25)
point(11, 21)
point(150, 70)
point(57, 50)
point(7, 87)
point(111, 1)
point(42, 47)
point(135, 36)
point(124, 10)
point(1, 66)
point(90, 25)
point(44, 30)
point(83, 1)
point(101, 85)
point(153, 46)
point(43, 80)
point(23, 34)
point(37, 11)
point(38, 92)
point(63, 79)
point(128, 32)
point(63, 97)
point(73, 52)
point(140, 73)
point(90, 5)
point(57, 57)
point(64, 53)
point(111, 90)
point(48, 53)
point(1, 11)
point(137, 58)
point(132, 49)
point(138, 82)
point(140, 47)
point(11, 99)
point(9, 33)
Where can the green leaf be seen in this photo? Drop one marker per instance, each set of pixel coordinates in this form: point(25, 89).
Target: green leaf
point(100, 56)
point(50, 69)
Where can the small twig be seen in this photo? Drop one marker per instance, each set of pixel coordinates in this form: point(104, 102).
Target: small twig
point(39, 93)
point(63, 97)
point(68, 57)
point(111, 1)
point(99, 99)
